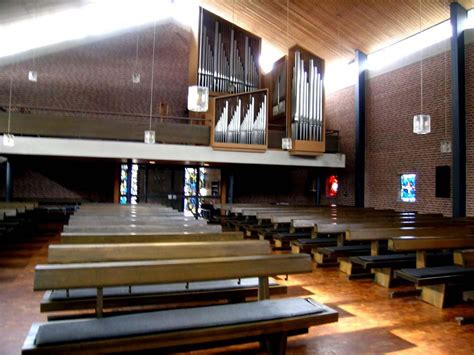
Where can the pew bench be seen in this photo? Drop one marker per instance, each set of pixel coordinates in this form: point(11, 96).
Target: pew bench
point(329, 256)
point(115, 297)
point(306, 245)
point(435, 282)
point(268, 321)
point(282, 239)
point(272, 320)
point(383, 266)
point(141, 237)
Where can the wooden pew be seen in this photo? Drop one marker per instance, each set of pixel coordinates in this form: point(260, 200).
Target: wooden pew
point(433, 281)
point(232, 290)
point(270, 320)
point(144, 228)
point(140, 237)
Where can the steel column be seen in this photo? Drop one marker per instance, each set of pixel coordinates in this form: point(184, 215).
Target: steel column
point(360, 60)
point(458, 109)
point(8, 181)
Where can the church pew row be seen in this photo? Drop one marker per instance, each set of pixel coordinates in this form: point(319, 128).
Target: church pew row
point(232, 290)
point(151, 237)
point(143, 228)
point(378, 238)
point(269, 321)
point(435, 282)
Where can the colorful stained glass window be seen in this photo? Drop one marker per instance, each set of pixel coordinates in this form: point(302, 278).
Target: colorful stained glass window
point(125, 174)
point(123, 184)
point(408, 187)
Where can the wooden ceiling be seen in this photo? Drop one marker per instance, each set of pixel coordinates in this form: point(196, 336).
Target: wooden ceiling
point(333, 29)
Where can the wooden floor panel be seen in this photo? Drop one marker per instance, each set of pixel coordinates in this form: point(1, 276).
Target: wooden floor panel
point(370, 322)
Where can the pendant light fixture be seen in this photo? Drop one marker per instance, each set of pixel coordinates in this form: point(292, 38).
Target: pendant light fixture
point(9, 139)
point(33, 74)
point(421, 122)
point(136, 74)
point(445, 146)
point(150, 134)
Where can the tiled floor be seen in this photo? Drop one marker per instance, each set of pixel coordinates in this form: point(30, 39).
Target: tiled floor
point(370, 322)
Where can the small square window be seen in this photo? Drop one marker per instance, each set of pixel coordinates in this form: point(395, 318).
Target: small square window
point(408, 187)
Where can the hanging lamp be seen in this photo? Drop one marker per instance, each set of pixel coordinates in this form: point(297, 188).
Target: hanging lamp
point(8, 138)
point(150, 134)
point(422, 121)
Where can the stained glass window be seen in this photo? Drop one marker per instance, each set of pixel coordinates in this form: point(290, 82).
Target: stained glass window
point(408, 187)
point(125, 174)
point(123, 183)
point(201, 185)
point(134, 185)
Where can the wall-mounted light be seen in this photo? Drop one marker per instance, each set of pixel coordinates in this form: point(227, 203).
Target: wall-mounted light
point(198, 98)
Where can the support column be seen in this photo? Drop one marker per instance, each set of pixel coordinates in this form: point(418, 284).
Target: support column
point(8, 182)
point(360, 61)
point(129, 181)
point(458, 109)
point(230, 189)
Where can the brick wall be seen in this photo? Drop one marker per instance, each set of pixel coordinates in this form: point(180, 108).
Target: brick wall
point(392, 149)
point(59, 179)
point(98, 76)
point(273, 184)
point(340, 116)
point(470, 127)
point(391, 146)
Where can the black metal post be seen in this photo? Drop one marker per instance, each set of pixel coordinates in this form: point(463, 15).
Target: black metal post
point(8, 181)
point(361, 61)
point(129, 181)
point(458, 109)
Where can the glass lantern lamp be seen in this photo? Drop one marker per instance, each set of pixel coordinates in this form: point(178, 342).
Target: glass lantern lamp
point(422, 124)
point(150, 137)
point(198, 98)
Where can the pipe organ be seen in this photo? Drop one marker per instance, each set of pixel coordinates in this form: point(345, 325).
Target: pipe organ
point(297, 100)
point(228, 56)
point(307, 97)
point(240, 121)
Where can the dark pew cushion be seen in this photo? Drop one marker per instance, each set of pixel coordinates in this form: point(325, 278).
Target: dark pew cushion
point(381, 261)
point(437, 275)
point(315, 241)
point(174, 320)
point(291, 236)
point(344, 250)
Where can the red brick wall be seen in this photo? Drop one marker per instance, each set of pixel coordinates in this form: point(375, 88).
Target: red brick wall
point(98, 76)
point(340, 116)
point(470, 128)
point(391, 146)
point(51, 179)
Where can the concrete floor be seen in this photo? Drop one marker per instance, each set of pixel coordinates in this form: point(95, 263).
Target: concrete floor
point(369, 323)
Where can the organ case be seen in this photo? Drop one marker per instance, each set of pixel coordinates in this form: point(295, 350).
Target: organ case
point(226, 58)
point(297, 98)
point(239, 121)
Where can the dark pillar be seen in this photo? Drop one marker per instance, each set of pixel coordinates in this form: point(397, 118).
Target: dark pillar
point(230, 189)
point(129, 181)
point(360, 60)
point(458, 110)
point(8, 181)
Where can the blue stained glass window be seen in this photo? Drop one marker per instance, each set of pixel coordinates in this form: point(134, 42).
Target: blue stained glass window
point(408, 187)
